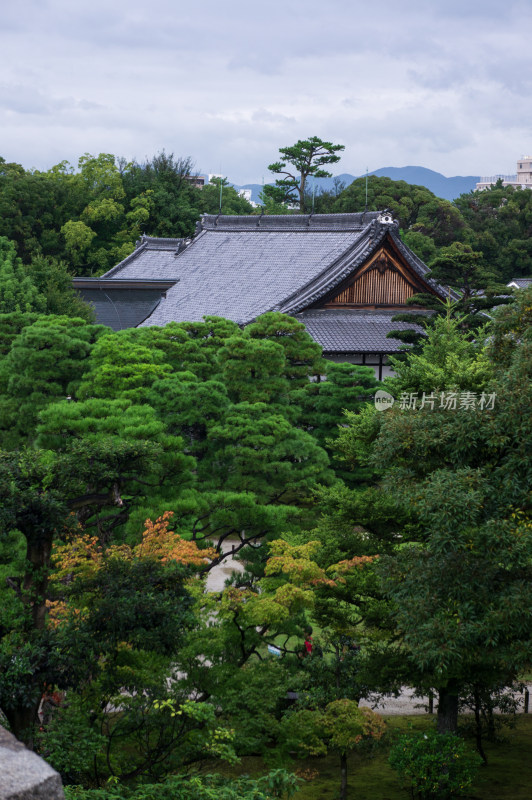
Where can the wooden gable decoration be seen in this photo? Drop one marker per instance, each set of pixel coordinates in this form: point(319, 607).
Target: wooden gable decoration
point(384, 280)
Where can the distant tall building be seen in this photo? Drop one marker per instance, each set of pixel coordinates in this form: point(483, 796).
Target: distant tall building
point(522, 180)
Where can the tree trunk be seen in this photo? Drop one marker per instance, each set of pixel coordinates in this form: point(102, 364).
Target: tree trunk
point(343, 776)
point(491, 721)
point(22, 722)
point(478, 727)
point(35, 583)
point(448, 710)
point(23, 717)
point(301, 191)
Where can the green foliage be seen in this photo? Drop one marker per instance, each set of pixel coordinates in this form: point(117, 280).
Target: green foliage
point(276, 785)
point(448, 360)
point(70, 724)
point(461, 268)
point(78, 239)
point(120, 366)
point(39, 491)
point(45, 363)
point(251, 699)
point(54, 281)
point(11, 325)
point(160, 187)
point(429, 221)
point(274, 200)
point(512, 327)
point(118, 450)
point(498, 224)
point(307, 157)
point(434, 766)
point(219, 189)
point(466, 475)
point(253, 370)
point(18, 291)
point(322, 404)
point(341, 727)
point(260, 451)
point(422, 245)
point(91, 218)
point(141, 602)
point(303, 355)
point(189, 407)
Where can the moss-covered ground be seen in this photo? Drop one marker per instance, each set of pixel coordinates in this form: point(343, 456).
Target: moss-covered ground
point(508, 775)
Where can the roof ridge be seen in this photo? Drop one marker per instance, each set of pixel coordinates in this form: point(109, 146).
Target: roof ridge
point(161, 243)
point(125, 261)
point(355, 221)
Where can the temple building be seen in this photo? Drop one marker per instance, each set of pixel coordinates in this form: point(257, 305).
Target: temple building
point(344, 276)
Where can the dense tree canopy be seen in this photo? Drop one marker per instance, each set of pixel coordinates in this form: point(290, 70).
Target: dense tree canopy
point(462, 588)
point(91, 218)
point(135, 463)
point(158, 419)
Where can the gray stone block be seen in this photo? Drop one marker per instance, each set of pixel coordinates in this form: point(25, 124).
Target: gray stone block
point(25, 776)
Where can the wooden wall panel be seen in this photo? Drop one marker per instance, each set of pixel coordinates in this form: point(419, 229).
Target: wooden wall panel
point(376, 287)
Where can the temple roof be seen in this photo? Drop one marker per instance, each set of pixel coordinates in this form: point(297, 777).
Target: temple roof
point(354, 330)
point(240, 267)
point(520, 283)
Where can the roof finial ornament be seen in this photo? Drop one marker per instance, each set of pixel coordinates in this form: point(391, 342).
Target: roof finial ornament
point(386, 217)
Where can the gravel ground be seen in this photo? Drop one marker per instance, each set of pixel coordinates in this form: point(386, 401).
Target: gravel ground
point(406, 703)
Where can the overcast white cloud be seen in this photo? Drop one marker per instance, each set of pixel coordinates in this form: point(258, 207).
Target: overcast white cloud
point(444, 85)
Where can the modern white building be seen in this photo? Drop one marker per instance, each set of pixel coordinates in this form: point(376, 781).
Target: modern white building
point(522, 180)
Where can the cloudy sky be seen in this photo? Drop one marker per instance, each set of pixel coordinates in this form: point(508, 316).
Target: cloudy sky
point(444, 84)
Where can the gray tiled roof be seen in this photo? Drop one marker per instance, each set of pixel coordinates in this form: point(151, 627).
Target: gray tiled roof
point(353, 331)
point(153, 259)
point(240, 267)
point(521, 283)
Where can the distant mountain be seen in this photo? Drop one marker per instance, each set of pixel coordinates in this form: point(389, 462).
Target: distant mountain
point(447, 188)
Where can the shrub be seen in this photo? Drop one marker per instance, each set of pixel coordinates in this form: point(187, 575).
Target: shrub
point(276, 785)
point(434, 766)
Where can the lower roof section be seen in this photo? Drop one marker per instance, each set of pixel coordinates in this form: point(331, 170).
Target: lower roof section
point(353, 330)
point(122, 308)
point(122, 303)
